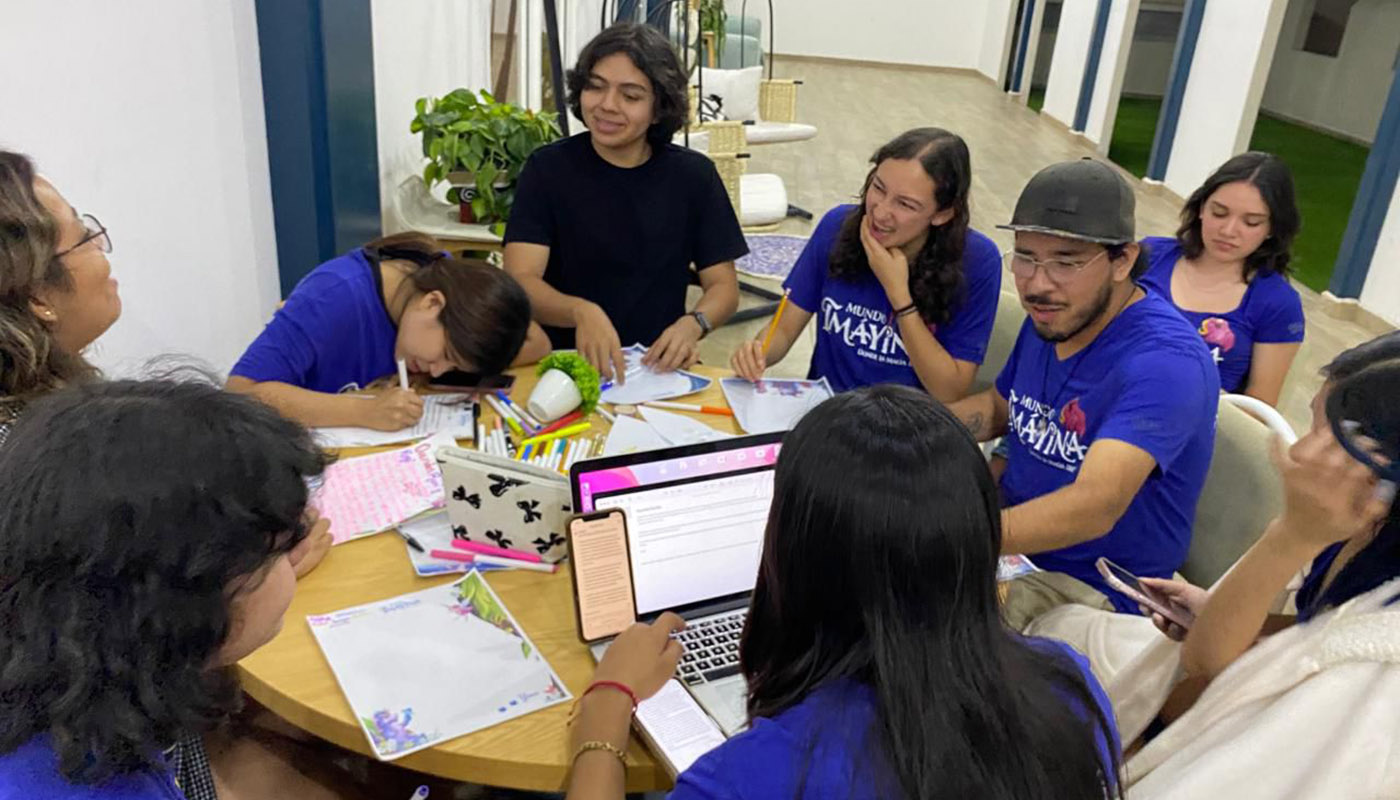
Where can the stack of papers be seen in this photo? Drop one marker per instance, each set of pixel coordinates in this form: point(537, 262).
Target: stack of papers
point(434, 532)
point(452, 414)
point(426, 667)
point(369, 494)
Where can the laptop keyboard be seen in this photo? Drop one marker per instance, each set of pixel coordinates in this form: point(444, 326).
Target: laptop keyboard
point(711, 647)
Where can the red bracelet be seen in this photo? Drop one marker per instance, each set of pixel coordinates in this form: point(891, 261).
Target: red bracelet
point(621, 687)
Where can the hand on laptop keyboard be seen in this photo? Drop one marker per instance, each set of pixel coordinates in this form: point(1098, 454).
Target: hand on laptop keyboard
point(711, 648)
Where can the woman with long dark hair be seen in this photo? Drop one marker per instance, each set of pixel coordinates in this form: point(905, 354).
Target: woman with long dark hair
point(876, 658)
point(905, 289)
point(399, 297)
point(145, 542)
point(1226, 271)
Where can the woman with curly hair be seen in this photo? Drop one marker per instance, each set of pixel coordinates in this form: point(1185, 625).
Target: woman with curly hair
point(607, 224)
point(57, 293)
point(144, 547)
point(907, 292)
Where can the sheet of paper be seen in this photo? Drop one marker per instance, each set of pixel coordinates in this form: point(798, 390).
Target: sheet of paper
point(678, 429)
point(426, 667)
point(643, 384)
point(678, 727)
point(369, 494)
point(631, 435)
point(1009, 567)
point(772, 404)
point(434, 532)
point(442, 413)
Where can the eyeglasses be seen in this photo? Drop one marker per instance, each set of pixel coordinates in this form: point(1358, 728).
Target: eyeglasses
point(1056, 269)
point(95, 232)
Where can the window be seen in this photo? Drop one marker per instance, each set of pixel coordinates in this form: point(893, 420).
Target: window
point(1051, 22)
point(1326, 27)
point(1157, 26)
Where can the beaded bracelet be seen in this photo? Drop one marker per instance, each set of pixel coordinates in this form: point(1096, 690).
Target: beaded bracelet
point(599, 745)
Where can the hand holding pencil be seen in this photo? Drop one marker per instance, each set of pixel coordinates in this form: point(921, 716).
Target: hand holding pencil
point(751, 358)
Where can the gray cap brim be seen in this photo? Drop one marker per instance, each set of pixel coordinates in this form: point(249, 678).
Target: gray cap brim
point(1062, 234)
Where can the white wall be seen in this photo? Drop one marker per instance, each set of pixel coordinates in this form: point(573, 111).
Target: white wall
point(149, 114)
point(935, 33)
point(1233, 54)
point(997, 34)
point(1381, 294)
point(1344, 94)
point(1071, 51)
point(1113, 65)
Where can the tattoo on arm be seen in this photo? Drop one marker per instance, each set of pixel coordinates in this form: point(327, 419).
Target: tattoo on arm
point(976, 424)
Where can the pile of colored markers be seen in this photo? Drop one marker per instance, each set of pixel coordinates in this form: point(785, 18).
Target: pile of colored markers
point(517, 434)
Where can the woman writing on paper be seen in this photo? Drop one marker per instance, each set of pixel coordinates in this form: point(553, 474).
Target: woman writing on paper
point(906, 291)
point(349, 321)
point(1226, 271)
point(877, 662)
point(117, 625)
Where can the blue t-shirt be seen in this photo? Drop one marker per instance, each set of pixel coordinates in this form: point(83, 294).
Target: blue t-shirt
point(771, 759)
point(332, 335)
point(1147, 380)
point(857, 344)
point(32, 772)
point(1270, 313)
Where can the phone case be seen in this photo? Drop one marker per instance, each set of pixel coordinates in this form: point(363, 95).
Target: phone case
point(502, 502)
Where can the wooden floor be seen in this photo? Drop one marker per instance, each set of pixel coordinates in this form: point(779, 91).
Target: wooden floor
point(857, 107)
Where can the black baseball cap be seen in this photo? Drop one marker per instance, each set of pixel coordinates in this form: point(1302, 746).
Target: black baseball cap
point(1084, 199)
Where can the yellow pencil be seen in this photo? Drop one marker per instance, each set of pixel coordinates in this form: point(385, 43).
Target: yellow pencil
point(773, 326)
point(559, 434)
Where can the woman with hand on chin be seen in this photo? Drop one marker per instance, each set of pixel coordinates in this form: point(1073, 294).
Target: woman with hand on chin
point(606, 224)
point(1226, 271)
point(907, 292)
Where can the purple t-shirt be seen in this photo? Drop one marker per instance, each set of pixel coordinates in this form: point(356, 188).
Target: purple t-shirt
point(31, 772)
point(1147, 380)
point(1270, 313)
point(332, 335)
point(772, 758)
point(857, 344)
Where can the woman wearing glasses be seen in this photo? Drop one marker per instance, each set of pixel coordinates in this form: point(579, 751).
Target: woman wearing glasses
point(1226, 271)
point(907, 292)
point(57, 293)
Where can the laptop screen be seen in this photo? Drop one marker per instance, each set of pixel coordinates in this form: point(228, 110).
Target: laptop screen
point(695, 516)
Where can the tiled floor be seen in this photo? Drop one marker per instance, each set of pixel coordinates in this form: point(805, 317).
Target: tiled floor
point(857, 107)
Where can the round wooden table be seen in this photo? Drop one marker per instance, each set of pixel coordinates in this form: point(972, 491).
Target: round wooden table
point(291, 677)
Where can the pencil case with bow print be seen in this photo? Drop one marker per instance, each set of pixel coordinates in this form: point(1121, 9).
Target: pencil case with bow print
point(505, 503)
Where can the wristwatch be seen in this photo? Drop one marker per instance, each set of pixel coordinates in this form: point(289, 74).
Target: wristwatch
point(704, 323)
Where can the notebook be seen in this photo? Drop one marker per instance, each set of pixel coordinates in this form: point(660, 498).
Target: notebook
point(422, 668)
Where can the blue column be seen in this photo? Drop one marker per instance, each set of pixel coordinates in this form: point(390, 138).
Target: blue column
point(1182, 57)
point(1373, 199)
point(1091, 66)
point(322, 149)
point(1023, 41)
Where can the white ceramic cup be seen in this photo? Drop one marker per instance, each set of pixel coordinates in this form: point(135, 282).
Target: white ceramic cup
point(554, 396)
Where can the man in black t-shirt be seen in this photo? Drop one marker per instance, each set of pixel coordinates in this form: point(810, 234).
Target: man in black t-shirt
point(607, 224)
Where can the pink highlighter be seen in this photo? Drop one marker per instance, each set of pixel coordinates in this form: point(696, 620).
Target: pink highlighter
point(491, 550)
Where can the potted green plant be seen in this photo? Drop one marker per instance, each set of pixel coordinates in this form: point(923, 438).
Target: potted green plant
point(479, 145)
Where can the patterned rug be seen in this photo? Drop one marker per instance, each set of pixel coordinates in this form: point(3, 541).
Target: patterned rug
point(771, 255)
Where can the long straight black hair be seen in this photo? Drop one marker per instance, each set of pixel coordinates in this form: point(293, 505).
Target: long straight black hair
point(936, 274)
point(879, 567)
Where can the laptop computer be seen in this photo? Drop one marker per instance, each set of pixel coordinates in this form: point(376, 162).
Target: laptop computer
point(696, 516)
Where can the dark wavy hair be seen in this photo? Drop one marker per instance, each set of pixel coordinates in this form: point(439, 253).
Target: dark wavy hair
point(1267, 173)
point(130, 510)
point(935, 275)
point(487, 313)
point(650, 53)
point(879, 566)
point(1364, 384)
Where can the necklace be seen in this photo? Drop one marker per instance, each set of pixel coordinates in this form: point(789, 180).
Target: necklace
point(1042, 423)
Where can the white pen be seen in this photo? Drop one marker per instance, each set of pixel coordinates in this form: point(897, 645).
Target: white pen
point(607, 415)
point(403, 374)
point(480, 437)
point(511, 562)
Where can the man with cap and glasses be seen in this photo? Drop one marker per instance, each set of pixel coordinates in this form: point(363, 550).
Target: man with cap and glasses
point(1107, 401)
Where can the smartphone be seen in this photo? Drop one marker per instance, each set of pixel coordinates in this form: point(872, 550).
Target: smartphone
point(1128, 583)
point(472, 380)
point(603, 594)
